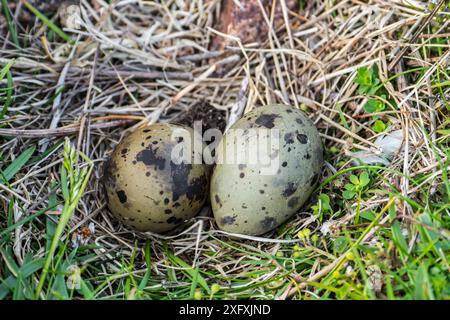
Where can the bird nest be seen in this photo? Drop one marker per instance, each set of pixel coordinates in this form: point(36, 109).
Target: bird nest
point(95, 73)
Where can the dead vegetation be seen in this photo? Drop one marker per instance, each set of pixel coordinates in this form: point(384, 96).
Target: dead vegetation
point(131, 62)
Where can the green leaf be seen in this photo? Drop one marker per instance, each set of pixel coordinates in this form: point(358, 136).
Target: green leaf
point(347, 194)
point(367, 215)
point(16, 165)
point(374, 105)
point(379, 126)
point(363, 76)
point(364, 179)
point(325, 202)
point(367, 79)
point(340, 244)
point(354, 179)
point(350, 187)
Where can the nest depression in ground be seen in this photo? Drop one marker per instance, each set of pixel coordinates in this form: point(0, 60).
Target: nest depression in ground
point(132, 62)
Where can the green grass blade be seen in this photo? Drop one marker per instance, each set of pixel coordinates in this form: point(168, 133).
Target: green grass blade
point(398, 238)
point(194, 283)
point(11, 27)
point(76, 189)
point(30, 267)
point(5, 69)
point(189, 270)
point(148, 263)
point(9, 95)
point(16, 165)
point(23, 221)
point(6, 286)
point(47, 22)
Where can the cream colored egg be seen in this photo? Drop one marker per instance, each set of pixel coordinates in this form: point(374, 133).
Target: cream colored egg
point(145, 188)
point(246, 197)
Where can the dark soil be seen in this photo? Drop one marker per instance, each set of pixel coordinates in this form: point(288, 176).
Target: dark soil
point(211, 117)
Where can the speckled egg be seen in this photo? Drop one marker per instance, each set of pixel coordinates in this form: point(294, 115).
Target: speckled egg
point(147, 186)
point(255, 195)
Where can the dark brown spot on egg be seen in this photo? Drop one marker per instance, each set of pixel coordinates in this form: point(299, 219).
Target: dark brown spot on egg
point(172, 220)
point(268, 223)
point(284, 164)
point(261, 191)
point(227, 220)
point(307, 156)
point(166, 201)
point(122, 196)
point(302, 138)
point(124, 151)
point(150, 158)
point(290, 189)
point(267, 120)
point(176, 205)
point(193, 190)
point(241, 175)
point(299, 121)
point(168, 211)
point(216, 197)
point(289, 138)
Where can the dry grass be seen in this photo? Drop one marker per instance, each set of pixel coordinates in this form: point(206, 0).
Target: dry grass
point(133, 62)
